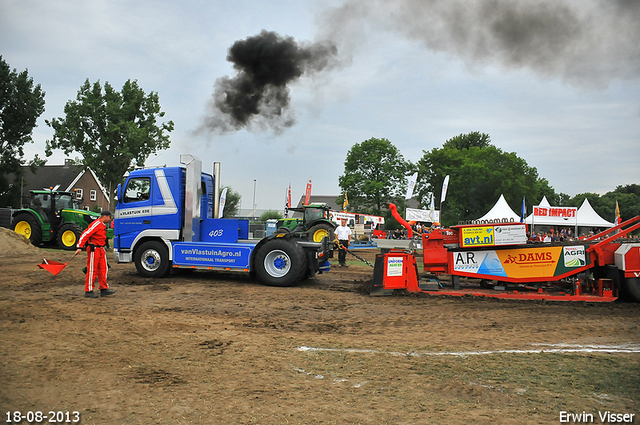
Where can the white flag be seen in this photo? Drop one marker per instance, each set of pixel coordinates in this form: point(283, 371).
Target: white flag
point(411, 183)
point(432, 209)
point(445, 185)
point(223, 199)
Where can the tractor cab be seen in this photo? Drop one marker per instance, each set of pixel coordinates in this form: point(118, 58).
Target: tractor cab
point(313, 213)
point(49, 205)
point(315, 223)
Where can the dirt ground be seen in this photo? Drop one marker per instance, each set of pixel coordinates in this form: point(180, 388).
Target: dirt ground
point(218, 348)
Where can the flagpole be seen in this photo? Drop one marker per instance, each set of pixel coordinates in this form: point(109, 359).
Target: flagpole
point(445, 185)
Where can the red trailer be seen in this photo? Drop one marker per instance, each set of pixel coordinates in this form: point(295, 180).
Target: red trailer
point(496, 260)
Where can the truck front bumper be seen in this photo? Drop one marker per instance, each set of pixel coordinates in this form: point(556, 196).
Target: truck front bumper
point(122, 257)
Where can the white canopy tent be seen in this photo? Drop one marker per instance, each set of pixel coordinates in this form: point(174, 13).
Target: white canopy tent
point(501, 210)
point(585, 217)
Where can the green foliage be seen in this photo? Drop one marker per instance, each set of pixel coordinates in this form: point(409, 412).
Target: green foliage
point(375, 175)
point(232, 203)
point(21, 103)
point(113, 131)
point(479, 173)
point(270, 214)
point(469, 140)
point(628, 198)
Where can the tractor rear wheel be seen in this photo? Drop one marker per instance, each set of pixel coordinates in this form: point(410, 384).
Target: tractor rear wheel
point(25, 224)
point(68, 235)
point(318, 232)
point(280, 262)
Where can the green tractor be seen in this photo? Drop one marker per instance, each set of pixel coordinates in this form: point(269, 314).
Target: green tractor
point(53, 217)
point(314, 225)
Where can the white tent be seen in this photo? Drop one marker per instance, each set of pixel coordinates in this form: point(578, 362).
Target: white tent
point(587, 217)
point(501, 210)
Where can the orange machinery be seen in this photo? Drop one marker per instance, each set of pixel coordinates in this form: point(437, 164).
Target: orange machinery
point(496, 260)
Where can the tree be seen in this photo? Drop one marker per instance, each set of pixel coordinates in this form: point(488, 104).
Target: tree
point(113, 131)
point(375, 175)
point(232, 203)
point(479, 173)
point(270, 214)
point(628, 198)
point(21, 103)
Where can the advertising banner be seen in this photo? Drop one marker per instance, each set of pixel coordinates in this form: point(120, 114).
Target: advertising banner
point(563, 215)
point(212, 255)
point(512, 234)
point(394, 266)
point(538, 262)
point(414, 214)
point(307, 193)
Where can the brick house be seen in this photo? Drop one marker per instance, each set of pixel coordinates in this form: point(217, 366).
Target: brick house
point(68, 178)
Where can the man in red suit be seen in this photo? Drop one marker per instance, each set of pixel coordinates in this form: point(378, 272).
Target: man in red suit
point(95, 239)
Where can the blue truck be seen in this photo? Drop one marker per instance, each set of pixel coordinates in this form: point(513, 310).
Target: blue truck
point(166, 218)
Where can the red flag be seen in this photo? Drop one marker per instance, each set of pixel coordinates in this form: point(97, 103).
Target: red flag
point(307, 195)
point(287, 202)
point(618, 218)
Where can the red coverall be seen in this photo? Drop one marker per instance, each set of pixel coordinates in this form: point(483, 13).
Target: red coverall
point(95, 238)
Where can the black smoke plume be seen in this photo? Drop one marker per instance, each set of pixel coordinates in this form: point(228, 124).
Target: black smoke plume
point(266, 64)
point(582, 42)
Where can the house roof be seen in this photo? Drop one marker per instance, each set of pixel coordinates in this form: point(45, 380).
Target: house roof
point(64, 177)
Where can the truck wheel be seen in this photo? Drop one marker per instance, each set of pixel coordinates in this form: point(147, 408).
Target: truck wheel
point(280, 263)
point(632, 288)
point(68, 235)
point(319, 231)
point(152, 259)
point(25, 224)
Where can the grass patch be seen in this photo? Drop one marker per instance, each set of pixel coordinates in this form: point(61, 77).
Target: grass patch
point(538, 385)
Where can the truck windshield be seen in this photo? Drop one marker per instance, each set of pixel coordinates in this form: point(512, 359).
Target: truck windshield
point(138, 189)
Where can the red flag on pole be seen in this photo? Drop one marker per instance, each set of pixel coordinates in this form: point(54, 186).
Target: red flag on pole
point(307, 195)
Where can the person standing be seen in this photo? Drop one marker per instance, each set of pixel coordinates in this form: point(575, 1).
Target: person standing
point(95, 239)
point(343, 234)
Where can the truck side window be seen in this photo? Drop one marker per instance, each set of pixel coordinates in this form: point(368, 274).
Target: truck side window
point(138, 189)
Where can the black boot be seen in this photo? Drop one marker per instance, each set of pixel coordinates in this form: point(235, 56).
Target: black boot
point(90, 295)
point(106, 292)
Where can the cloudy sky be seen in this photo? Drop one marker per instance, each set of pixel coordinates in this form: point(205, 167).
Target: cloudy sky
point(557, 82)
